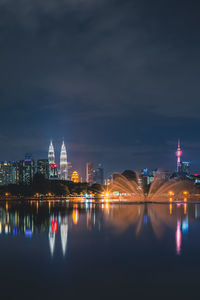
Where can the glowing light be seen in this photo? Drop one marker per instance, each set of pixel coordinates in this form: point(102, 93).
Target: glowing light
point(171, 193)
point(63, 233)
point(170, 209)
point(75, 216)
point(63, 162)
point(185, 208)
point(28, 233)
point(178, 238)
point(178, 154)
point(186, 193)
point(6, 229)
point(51, 154)
point(55, 225)
point(185, 225)
point(75, 177)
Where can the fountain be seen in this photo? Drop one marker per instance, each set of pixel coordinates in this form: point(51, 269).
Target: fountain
point(160, 190)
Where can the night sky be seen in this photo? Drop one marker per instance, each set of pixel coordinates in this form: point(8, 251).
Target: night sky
point(117, 79)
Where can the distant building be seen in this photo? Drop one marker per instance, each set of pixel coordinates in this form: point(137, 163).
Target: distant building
point(63, 163)
point(53, 172)
point(51, 154)
point(75, 177)
point(5, 173)
point(43, 167)
point(89, 173)
point(99, 175)
point(185, 167)
point(17, 170)
point(69, 170)
point(28, 169)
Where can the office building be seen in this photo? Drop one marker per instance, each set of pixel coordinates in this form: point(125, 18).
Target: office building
point(63, 163)
point(99, 175)
point(43, 167)
point(89, 173)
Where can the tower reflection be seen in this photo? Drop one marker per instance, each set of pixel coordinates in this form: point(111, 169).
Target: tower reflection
point(57, 219)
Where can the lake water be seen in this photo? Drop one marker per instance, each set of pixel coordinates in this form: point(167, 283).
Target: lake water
point(58, 250)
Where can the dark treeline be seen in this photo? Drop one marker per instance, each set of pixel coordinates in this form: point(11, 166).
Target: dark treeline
point(44, 186)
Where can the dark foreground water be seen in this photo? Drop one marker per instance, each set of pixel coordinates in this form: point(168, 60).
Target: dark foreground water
point(85, 251)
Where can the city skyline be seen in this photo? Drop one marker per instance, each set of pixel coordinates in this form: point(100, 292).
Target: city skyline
point(54, 157)
point(123, 91)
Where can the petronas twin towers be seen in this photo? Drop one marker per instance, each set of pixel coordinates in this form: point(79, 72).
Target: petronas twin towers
point(63, 160)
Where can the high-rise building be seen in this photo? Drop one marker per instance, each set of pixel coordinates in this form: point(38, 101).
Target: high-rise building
point(69, 170)
point(63, 163)
point(53, 172)
point(28, 169)
point(16, 172)
point(178, 155)
point(5, 173)
point(43, 167)
point(51, 154)
point(185, 167)
point(89, 173)
point(99, 175)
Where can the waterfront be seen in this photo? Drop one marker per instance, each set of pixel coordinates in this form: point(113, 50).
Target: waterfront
point(58, 250)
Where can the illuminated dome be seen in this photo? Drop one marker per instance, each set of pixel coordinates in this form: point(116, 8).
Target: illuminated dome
point(75, 177)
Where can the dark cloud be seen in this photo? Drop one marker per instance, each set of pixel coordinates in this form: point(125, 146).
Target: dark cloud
point(107, 74)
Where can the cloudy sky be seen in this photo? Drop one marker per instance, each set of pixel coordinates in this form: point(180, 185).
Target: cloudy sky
point(117, 79)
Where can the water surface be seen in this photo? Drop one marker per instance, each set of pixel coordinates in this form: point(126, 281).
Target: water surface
point(58, 250)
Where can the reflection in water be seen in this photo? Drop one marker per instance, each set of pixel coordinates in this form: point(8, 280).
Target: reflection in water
point(178, 237)
point(75, 214)
point(63, 234)
point(57, 219)
point(51, 241)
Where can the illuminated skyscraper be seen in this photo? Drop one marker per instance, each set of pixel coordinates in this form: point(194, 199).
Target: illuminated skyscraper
point(63, 163)
point(51, 154)
point(178, 154)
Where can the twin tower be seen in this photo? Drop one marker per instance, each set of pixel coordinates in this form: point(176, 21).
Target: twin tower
point(63, 160)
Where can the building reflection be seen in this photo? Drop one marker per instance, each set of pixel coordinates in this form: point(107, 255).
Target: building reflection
point(56, 220)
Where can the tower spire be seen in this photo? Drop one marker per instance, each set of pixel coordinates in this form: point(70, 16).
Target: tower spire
point(63, 162)
point(178, 155)
point(51, 153)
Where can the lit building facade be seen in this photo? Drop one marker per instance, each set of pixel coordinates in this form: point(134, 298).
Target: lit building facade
point(53, 172)
point(28, 169)
point(178, 155)
point(75, 177)
point(5, 173)
point(185, 167)
point(17, 172)
point(51, 154)
point(69, 170)
point(89, 173)
point(43, 167)
point(63, 163)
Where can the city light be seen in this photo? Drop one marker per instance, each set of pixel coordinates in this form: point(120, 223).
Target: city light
point(171, 193)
